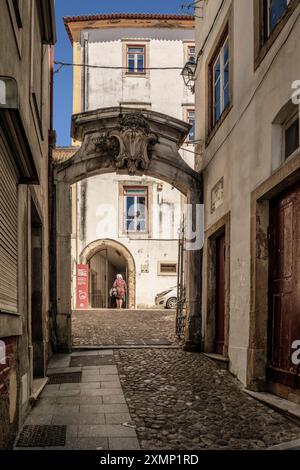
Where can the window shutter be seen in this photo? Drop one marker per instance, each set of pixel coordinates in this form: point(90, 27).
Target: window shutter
point(8, 234)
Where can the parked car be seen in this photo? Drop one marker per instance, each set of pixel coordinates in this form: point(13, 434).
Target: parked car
point(167, 298)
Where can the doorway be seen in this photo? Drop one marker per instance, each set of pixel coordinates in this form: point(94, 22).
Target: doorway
point(284, 288)
point(104, 266)
point(37, 337)
point(220, 295)
point(217, 255)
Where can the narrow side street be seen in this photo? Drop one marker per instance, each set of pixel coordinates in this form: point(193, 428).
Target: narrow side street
point(149, 397)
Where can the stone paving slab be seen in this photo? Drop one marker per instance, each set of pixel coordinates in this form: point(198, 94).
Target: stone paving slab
point(114, 399)
point(123, 443)
point(105, 430)
point(93, 410)
point(82, 418)
point(88, 443)
point(117, 408)
point(117, 418)
point(87, 352)
point(82, 361)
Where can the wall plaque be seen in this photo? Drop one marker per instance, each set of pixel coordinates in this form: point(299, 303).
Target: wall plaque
point(217, 195)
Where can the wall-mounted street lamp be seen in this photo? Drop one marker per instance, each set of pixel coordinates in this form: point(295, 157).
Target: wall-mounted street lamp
point(188, 73)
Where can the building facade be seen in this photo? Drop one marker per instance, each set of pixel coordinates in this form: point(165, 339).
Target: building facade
point(27, 32)
point(121, 223)
point(247, 128)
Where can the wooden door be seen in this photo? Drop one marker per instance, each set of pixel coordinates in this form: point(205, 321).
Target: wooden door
point(220, 295)
point(284, 287)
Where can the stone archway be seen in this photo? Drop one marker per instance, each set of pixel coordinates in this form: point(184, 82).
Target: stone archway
point(135, 142)
point(99, 245)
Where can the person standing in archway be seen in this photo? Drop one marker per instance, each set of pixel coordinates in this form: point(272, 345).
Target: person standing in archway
point(120, 287)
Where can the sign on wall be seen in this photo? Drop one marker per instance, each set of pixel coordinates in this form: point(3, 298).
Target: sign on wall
point(217, 195)
point(82, 286)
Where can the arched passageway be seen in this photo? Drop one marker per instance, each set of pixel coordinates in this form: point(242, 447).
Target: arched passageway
point(106, 258)
point(135, 142)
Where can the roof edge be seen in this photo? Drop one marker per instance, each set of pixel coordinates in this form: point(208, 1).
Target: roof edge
point(120, 16)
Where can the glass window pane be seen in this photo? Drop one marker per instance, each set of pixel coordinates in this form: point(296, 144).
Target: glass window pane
point(292, 138)
point(217, 70)
point(226, 53)
point(141, 226)
point(218, 92)
point(226, 96)
point(191, 120)
point(217, 111)
point(226, 75)
point(130, 226)
point(131, 63)
point(191, 54)
point(134, 191)
point(135, 50)
point(277, 10)
point(141, 207)
point(140, 63)
point(129, 207)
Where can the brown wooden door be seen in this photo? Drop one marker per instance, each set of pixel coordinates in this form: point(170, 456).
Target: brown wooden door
point(220, 294)
point(284, 287)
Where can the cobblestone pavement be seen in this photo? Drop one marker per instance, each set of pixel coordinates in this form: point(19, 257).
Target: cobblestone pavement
point(123, 327)
point(179, 401)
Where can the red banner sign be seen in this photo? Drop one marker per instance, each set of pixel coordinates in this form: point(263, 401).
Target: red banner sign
point(82, 286)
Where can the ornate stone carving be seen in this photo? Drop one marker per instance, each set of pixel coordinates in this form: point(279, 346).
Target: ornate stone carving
point(103, 146)
point(127, 147)
point(135, 143)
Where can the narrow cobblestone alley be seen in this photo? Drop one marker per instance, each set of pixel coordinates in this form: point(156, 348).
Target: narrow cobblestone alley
point(180, 400)
point(146, 396)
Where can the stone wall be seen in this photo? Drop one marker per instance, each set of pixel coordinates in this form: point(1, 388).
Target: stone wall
point(8, 392)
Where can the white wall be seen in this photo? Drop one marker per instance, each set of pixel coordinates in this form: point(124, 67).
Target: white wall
point(159, 90)
point(241, 149)
point(102, 221)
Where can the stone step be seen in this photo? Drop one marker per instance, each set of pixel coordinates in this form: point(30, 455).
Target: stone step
point(221, 361)
point(287, 408)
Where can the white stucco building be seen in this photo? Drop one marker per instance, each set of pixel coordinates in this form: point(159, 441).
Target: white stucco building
point(247, 126)
point(121, 223)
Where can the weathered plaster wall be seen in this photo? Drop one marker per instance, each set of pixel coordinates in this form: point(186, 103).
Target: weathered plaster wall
point(158, 90)
point(104, 220)
point(241, 149)
point(17, 58)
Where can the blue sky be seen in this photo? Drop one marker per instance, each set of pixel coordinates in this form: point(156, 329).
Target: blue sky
point(63, 50)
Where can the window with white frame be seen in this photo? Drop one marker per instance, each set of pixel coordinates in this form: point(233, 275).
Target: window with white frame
point(191, 53)
point(219, 71)
point(191, 120)
point(135, 209)
point(274, 10)
point(136, 61)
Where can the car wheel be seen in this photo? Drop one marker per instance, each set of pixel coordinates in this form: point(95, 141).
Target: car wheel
point(171, 303)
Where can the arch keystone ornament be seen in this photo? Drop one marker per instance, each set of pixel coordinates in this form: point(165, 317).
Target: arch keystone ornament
point(135, 142)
